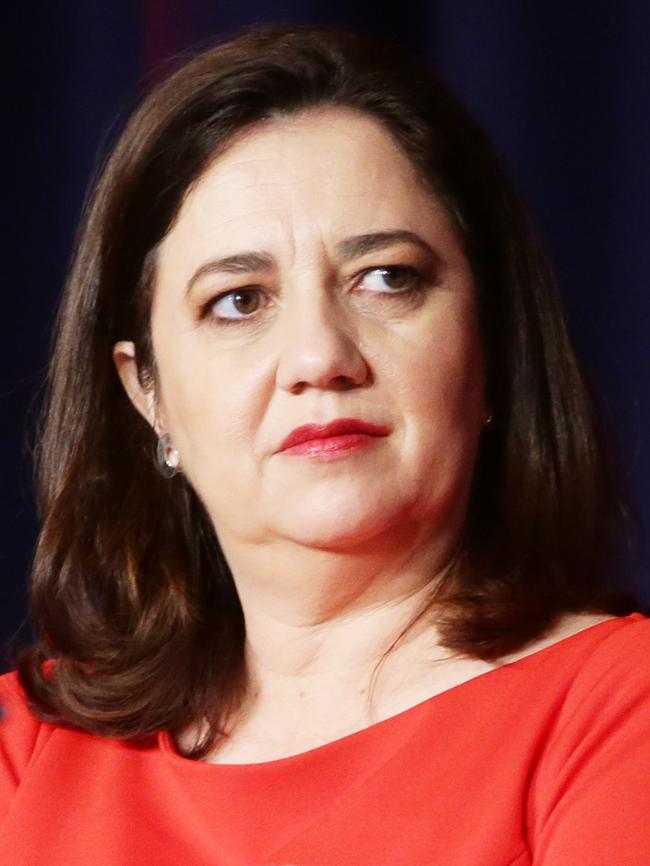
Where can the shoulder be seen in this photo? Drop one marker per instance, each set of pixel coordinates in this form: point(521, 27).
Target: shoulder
point(605, 702)
point(19, 729)
point(590, 789)
point(597, 657)
point(581, 625)
point(616, 653)
point(585, 642)
point(15, 714)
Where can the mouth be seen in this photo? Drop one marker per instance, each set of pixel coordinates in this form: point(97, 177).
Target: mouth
point(344, 434)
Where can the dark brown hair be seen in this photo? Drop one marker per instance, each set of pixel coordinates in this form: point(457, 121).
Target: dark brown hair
point(131, 594)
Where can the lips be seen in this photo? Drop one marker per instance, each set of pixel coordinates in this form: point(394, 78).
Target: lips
point(340, 427)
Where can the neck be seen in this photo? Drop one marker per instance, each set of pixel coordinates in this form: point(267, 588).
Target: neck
point(320, 617)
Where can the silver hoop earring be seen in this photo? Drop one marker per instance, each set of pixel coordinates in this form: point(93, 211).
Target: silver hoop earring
point(167, 457)
point(488, 420)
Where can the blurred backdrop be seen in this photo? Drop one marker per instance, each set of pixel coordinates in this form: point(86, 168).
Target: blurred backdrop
point(562, 88)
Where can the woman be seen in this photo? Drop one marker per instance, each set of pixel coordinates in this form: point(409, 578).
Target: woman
point(363, 612)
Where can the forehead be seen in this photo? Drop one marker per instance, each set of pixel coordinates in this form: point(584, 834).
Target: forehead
point(328, 172)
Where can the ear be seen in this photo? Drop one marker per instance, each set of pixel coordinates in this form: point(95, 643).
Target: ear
point(124, 357)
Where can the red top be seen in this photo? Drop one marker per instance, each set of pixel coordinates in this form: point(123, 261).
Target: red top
point(543, 761)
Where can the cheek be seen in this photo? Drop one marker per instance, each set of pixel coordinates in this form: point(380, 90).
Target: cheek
point(210, 410)
point(444, 379)
point(214, 417)
point(443, 409)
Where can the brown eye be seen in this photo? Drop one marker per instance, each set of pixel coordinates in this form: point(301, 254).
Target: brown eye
point(235, 306)
point(399, 278)
point(396, 277)
point(246, 301)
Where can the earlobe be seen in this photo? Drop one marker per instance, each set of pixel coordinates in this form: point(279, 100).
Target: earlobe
point(124, 357)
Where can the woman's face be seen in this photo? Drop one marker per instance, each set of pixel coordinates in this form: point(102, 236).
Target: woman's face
point(350, 297)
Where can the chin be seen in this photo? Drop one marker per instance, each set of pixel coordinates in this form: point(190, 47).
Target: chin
point(337, 528)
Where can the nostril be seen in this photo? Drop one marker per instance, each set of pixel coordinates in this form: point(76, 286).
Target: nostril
point(337, 383)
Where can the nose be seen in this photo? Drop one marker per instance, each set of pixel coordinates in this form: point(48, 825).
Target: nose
point(319, 349)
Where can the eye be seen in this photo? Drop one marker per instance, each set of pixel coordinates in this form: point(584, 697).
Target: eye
point(398, 278)
point(241, 305)
point(235, 305)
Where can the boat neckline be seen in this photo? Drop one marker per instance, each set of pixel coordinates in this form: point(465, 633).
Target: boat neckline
point(168, 747)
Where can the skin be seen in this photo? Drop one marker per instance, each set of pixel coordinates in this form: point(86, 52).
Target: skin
point(330, 559)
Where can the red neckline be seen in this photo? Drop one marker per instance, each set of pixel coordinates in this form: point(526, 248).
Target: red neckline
point(168, 748)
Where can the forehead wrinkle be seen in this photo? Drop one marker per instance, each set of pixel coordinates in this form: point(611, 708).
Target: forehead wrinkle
point(304, 216)
point(300, 181)
point(240, 164)
point(275, 210)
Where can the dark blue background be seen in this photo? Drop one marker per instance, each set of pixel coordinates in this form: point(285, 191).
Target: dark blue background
point(563, 89)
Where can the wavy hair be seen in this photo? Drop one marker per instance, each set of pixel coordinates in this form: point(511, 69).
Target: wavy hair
point(131, 596)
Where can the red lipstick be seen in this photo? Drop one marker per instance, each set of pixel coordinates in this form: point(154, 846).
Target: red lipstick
point(344, 434)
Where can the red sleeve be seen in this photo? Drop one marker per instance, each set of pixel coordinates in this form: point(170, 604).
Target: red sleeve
point(591, 792)
point(19, 737)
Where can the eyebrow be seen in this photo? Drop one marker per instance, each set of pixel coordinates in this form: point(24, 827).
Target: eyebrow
point(349, 248)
